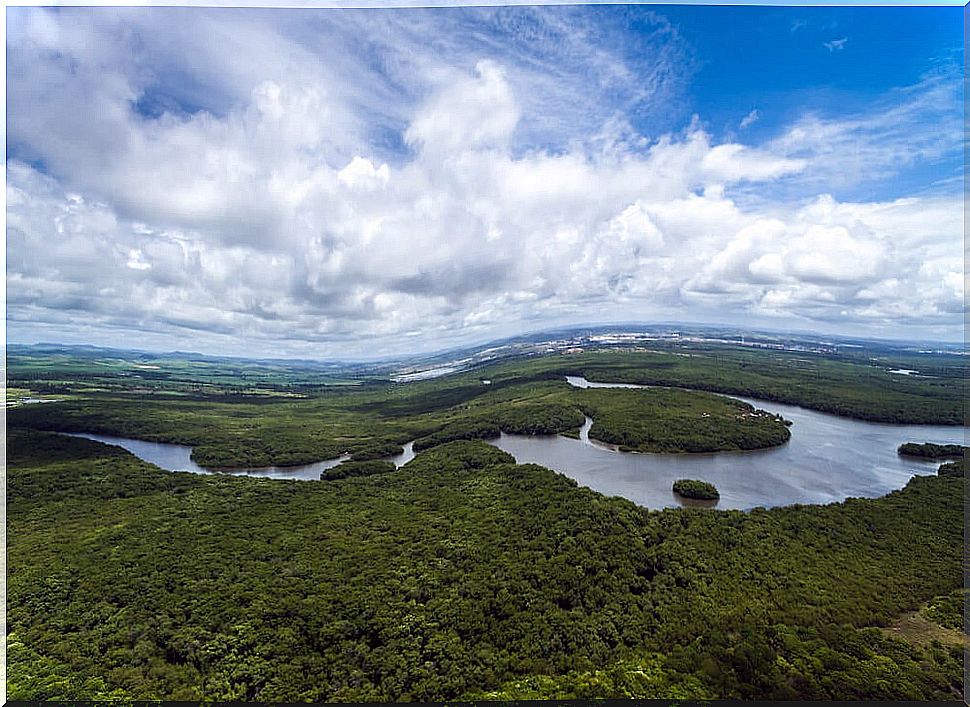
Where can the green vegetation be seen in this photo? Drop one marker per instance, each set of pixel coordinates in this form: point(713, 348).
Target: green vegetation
point(61, 369)
point(852, 383)
point(840, 386)
point(373, 422)
point(928, 450)
point(659, 420)
point(957, 469)
point(469, 429)
point(377, 450)
point(947, 610)
point(347, 469)
point(693, 488)
point(488, 422)
point(458, 457)
point(461, 575)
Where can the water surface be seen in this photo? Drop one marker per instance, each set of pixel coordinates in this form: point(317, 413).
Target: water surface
point(828, 458)
point(177, 457)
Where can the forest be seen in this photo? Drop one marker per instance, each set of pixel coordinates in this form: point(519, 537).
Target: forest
point(375, 422)
point(841, 387)
point(848, 384)
point(694, 488)
point(461, 575)
point(928, 450)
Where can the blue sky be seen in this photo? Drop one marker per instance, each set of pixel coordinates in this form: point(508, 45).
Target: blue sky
point(364, 182)
point(840, 61)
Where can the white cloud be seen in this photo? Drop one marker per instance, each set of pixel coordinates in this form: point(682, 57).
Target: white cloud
point(836, 45)
point(736, 163)
point(469, 113)
point(278, 219)
point(750, 119)
point(361, 173)
point(858, 262)
point(913, 125)
point(833, 255)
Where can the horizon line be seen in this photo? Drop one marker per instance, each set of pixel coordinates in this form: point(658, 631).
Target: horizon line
point(431, 353)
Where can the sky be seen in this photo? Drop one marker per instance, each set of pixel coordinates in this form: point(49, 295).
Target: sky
point(336, 183)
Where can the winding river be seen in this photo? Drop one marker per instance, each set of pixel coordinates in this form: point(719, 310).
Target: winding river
point(828, 458)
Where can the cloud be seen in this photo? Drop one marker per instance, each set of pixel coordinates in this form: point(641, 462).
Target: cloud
point(331, 197)
point(732, 162)
point(361, 174)
point(836, 45)
point(750, 119)
point(847, 262)
point(906, 127)
point(469, 113)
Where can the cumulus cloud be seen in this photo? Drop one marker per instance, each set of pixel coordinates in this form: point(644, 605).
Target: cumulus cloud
point(296, 214)
point(469, 113)
point(361, 173)
point(856, 262)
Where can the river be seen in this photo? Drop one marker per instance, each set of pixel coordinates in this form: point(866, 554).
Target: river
point(828, 458)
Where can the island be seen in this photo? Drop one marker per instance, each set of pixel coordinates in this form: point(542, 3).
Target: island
point(928, 450)
point(696, 489)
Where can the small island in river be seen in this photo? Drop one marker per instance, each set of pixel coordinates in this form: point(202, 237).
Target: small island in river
point(928, 450)
point(696, 489)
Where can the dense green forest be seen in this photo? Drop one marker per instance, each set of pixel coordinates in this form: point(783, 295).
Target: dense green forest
point(947, 611)
point(957, 469)
point(373, 423)
point(459, 575)
point(661, 420)
point(357, 468)
point(928, 450)
point(851, 389)
point(694, 488)
point(463, 574)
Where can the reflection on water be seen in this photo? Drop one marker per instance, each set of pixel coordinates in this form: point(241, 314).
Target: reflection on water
point(404, 457)
point(177, 457)
point(829, 458)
